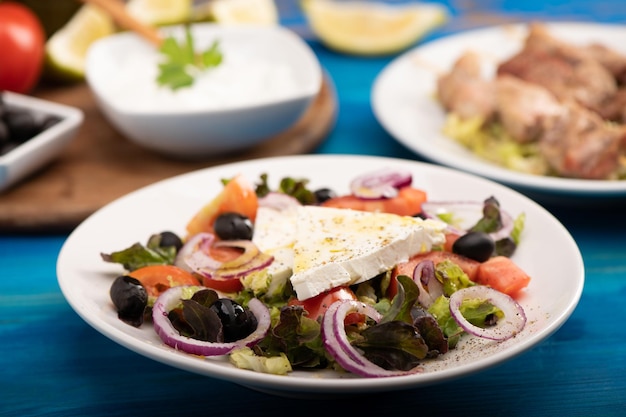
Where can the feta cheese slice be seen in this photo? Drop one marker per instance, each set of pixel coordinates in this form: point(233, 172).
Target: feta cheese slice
point(334, 247)
point(275, 234)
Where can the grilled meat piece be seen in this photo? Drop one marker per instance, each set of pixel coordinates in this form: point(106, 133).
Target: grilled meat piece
point(464, 91)
point(568, 71)
point(580, 144)
point(524, 109)
point(612, 60)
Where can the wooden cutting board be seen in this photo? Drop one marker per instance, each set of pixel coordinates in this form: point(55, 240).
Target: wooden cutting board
point(100, 165)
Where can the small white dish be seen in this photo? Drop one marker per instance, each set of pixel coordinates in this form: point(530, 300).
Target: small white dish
point(268, 78)
point(403, 100)
point(551, 297)
point(41, 149)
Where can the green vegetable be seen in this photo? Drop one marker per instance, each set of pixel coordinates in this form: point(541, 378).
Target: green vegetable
point(452, 277)
point(518, 226)
point(138, 255)
point(405, 335)
point(297, 336)
point(182, 63)
point(267, 287)
point(296, 188)
point(491, 142)
point(491, 220)
point(245, 358)
point(392, 345)
point(403, 302)
point(194, 317)
point(478, 312)
point(440, 309)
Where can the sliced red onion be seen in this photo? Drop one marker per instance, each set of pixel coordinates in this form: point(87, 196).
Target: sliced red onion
point(171, 298)
point(278, 201)
point(338, 346)
point(380, 184)
point(191, 245)
point(429, 286)
point(511, 324)
point(469, 212)
point(195, 257)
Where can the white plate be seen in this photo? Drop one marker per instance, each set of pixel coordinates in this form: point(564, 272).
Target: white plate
point(557, 276)
point(403, 100)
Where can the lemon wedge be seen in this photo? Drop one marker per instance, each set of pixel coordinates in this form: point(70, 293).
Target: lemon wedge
point(66, 48)
point(260, 12)
point(160, 12)
point(371, 28)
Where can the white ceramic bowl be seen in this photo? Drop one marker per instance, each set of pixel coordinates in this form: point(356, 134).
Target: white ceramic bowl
point(42, 148)
point(268, 78)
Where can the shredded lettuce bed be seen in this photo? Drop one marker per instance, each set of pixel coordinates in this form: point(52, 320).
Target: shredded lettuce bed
point(491, 142)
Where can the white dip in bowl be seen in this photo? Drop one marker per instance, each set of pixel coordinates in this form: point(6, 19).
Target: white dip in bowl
point(267, 79)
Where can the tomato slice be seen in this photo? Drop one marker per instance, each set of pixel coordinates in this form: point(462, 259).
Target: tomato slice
point(408, 202)
point(226, 285)
point(502, 274)
point(223, 284)
point(317, 306)
point(450, 239)
point(237, 196)
point(158, 278)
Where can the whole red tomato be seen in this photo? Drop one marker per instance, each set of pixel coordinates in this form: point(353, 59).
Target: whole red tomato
point(22, 43)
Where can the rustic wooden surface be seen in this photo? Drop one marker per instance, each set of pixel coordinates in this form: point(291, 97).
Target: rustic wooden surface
point(101, 165)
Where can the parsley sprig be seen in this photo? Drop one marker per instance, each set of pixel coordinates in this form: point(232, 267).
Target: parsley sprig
point(182, 63)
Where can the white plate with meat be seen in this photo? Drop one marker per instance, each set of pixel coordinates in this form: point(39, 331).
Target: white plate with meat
point(557, 277)
point(406, 99)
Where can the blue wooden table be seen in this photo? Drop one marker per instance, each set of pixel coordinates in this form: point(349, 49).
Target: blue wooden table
point(53, 364)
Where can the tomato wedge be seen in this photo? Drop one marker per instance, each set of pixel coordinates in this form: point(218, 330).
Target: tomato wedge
point(502, 274)
point(408, 202)
point(317, 306)
point(237, 196)
point(223, 284)
point(158, 278)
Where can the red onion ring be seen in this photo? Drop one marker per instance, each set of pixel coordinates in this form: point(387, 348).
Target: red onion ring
point(194, 257)
point(278, 201)
point(432, 209)
point(429, 286)
point(511, 324)
point(380, 184)
point(194, 244)
point(338, 346)
point(169, 299)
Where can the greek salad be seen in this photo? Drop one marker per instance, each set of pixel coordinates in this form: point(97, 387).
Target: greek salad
point(374, 282)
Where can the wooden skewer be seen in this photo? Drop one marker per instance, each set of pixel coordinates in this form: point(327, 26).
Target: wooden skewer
point(118, 12)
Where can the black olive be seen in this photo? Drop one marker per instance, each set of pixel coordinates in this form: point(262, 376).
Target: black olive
point(130, 299)
point(237, 321)
point(7, 147)
point(5, 135)
point(21, 124)
point(168, 239)
point(323, 194)
point(233, 226)
point(478, 246)
point(48, 122)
